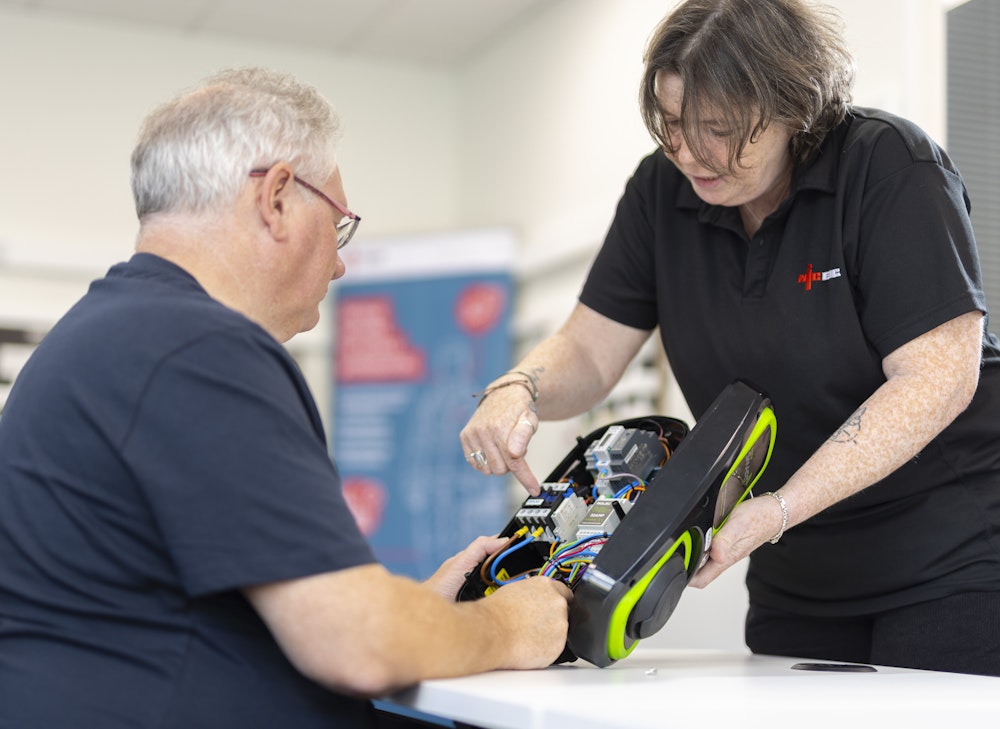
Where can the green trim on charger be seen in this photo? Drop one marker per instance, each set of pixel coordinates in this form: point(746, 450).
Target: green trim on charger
point(765, 421)
point(619, 618)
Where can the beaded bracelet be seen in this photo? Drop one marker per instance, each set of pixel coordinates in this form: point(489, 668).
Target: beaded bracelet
point(784, 516)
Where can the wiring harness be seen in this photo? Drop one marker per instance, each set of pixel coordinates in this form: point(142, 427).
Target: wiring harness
point(558, 533)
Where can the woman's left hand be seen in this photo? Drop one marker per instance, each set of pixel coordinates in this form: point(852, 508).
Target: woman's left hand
point(752, 523)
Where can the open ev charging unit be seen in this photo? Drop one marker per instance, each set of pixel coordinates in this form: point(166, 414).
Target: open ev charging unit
point(628, 516)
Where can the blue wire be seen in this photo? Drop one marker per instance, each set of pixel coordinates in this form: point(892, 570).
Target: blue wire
point(493, 567)
point(578, 542)
point(625, 489)
point(560, 555)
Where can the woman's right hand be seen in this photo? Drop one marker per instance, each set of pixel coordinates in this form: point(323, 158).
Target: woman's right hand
point(580, 363)
point(495, 440)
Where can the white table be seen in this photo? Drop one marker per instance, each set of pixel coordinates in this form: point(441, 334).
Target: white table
point(701, 689)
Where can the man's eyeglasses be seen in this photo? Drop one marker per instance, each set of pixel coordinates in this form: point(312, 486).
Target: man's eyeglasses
point(346, 228)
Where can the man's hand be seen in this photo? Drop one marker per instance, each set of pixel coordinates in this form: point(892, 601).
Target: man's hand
point(451, 574)
point(536, 609)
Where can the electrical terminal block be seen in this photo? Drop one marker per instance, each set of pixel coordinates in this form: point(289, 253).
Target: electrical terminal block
point(603, 517)
point(623, 450)
point(567, 516)
point(603, 488)
point(534, 517)
point(557, 486)
point(599, 455)
point(557, 509)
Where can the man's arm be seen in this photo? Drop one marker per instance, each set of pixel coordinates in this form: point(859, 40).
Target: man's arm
point(365, 631)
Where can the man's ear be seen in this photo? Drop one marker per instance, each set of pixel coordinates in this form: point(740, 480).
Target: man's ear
point(273, 199)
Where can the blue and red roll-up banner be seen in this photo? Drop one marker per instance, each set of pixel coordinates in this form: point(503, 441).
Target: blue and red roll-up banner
point(422, 323)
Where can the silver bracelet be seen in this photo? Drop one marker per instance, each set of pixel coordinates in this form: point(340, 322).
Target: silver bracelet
point(784, 516)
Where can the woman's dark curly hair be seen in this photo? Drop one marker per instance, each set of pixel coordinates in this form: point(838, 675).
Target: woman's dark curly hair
point(745, 64)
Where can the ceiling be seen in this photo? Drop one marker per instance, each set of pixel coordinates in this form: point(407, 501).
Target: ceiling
point(436, 32)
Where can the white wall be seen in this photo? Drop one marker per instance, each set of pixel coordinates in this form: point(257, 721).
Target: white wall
point(539, 132)
point(73, 93)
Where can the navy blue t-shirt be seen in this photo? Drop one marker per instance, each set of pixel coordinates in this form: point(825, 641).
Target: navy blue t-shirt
point(158, 452)
point(872, 248)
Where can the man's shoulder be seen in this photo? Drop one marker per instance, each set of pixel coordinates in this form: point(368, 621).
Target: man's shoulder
point(152, 301)
point(130, 324)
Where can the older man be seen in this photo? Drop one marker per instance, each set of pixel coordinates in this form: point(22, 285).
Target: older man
point(174, 547)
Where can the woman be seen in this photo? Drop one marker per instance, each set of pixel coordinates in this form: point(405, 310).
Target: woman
point(823, 252)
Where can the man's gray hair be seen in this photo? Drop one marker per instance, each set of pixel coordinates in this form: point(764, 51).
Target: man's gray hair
point(195, 152)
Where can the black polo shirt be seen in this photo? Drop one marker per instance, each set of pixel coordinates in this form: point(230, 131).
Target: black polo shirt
point(872, 248)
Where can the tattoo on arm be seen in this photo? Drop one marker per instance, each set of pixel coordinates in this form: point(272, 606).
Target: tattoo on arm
point(851, 429)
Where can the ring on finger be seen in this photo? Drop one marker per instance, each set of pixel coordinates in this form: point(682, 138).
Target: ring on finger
point(478, 457)
point(525, 421)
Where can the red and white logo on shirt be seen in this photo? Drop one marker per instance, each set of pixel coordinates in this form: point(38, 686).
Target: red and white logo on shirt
point(810, 277)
